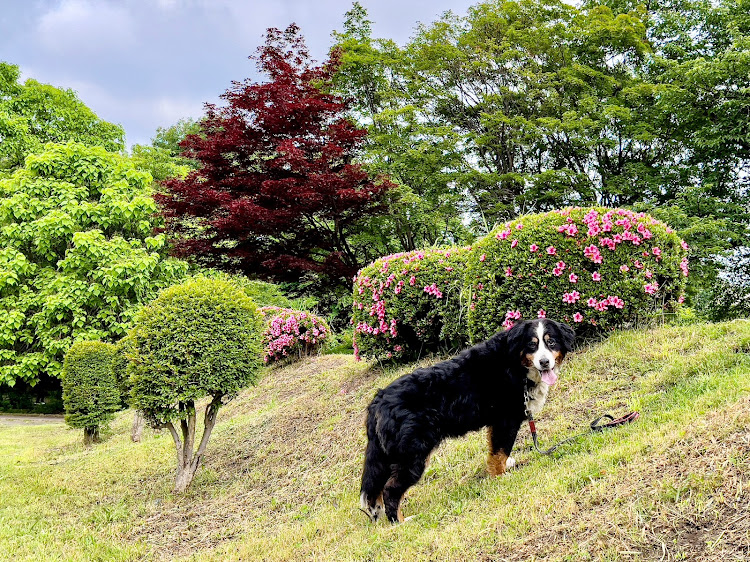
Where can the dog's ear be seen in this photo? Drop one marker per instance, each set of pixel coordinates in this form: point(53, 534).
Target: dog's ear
point(515, 339)
point(568, 336)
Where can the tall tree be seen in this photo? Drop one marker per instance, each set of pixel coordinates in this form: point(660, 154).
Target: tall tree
point(421, 157)
point(77, 254)
point(32, 114)
point(277, 193)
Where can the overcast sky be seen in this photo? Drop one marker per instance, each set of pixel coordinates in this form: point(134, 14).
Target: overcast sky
point(147, 63)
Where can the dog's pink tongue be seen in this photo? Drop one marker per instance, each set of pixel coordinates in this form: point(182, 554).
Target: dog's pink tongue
point(549, 377)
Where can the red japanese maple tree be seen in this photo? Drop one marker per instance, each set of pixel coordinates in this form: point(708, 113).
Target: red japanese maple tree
point(276, 193)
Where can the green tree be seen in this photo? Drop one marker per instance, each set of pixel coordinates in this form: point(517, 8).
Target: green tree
point(195, 340)
point(78, 255)
point(33, 114)
point(163, 158)
point(90, 391)
point(421, 157)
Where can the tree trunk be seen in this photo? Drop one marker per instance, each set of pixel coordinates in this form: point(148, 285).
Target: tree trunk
point(137, 429)
point(187, 461)
point(90, 435)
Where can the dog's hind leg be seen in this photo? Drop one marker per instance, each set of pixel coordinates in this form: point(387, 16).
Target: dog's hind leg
point(374, 476)
point(403, 477)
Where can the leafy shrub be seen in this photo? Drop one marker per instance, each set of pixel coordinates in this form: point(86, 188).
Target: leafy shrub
point(595, 268)
point(291, 333)
point(90, 392)
point(409, 303)
point(200, 338)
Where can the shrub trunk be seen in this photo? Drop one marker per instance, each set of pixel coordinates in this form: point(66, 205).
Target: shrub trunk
point(137, 430)
point(91, 435)
point(189, 460)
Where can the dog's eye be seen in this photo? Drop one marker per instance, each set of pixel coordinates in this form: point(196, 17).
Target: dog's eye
point(550, 341)
point(532, 346)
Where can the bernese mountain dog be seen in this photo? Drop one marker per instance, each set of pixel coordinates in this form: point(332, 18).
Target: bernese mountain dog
point(496, 383)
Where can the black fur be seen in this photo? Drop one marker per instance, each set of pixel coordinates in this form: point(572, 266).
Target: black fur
point(483, 386)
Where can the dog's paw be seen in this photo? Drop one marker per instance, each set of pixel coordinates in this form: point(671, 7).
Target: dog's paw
point(510, 463)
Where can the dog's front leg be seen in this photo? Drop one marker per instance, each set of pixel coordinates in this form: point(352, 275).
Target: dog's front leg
point(500, 438)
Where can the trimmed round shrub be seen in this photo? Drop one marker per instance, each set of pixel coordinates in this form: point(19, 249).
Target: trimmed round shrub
point(410, 303)
point(292, 333)
point(90, 391)
point(199, 338)
point(594, 268)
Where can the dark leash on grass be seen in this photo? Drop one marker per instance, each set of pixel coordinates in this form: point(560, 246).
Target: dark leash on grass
point(594, 426)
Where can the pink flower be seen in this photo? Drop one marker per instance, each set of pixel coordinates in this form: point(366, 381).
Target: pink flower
point(596, 276)
point(560, 265)
point(541, 313)
point(571, 297)
point(656, 251)
point(533, 248)
point(624, 268)
point(503, 234)
point(482, 257)
point(508, 271)
point(513, 314)
point(681, 299)
point(551, 250)
point(508, 323)
point(648, 274)
point(592, 302)
point(514, 243)
point(578, 317)
point(412, 280)
point(573, 278)
point(684, 245)
point(651, 288)
point(519, 226)
point(684, 267)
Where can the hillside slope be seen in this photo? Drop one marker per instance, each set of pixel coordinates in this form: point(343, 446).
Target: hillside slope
point(282, 474)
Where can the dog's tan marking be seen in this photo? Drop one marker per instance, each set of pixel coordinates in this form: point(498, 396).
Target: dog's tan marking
point(558, 356)
point(496, 460)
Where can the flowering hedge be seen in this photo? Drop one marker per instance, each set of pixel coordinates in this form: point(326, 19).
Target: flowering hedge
point(291, 333)
point(594, 268)
point(409, 303)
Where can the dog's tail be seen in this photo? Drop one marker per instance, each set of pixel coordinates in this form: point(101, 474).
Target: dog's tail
point(375, 473)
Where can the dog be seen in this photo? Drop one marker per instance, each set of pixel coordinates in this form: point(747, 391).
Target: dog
point(496, 384)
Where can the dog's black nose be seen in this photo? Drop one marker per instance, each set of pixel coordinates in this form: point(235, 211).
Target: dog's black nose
point(544, 363)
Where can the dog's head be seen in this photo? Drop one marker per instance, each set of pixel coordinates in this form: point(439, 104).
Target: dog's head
point(541, 345)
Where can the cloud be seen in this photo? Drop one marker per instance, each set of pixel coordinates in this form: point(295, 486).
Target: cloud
point(84, 28)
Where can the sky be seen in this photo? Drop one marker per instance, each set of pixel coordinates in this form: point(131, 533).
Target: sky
point(148, 63)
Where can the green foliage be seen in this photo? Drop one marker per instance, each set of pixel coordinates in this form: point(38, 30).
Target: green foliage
point(90, 391)
point(409, 304)
point(33, 114)
point(594, 268)
point(199, 338)
point(78, 255)
point(163, 159)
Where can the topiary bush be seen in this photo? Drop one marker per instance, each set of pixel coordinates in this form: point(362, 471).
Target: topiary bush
point(90, 391)
point(410, 303)
point(594, 268)
point(292, 333)
point(199, 339)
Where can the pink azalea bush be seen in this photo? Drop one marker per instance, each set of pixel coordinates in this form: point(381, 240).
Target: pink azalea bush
point(408, 304)
point(292, 333)
point(600, 268)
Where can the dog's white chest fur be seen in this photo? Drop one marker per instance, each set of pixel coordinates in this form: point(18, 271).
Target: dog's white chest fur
point(535, 397)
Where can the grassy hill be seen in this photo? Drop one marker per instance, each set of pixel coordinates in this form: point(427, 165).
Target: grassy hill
point(282, 475)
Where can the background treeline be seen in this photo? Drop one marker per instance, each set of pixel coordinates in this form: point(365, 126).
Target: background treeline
point(512, 108)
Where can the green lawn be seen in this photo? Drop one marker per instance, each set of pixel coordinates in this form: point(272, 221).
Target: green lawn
point(282, 475)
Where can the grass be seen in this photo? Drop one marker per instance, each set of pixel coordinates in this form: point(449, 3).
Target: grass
point(282, 474)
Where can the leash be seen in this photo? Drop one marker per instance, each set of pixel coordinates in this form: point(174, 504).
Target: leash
point(594, 426)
